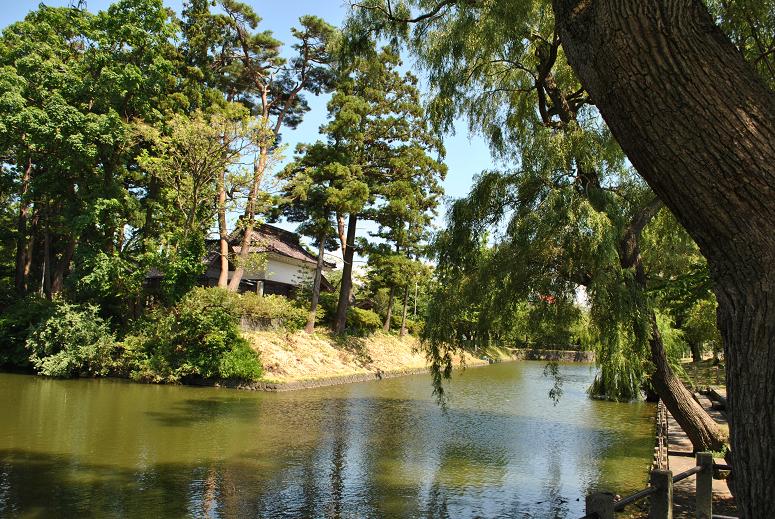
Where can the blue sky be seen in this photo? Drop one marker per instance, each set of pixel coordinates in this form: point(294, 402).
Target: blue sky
point(467, 155)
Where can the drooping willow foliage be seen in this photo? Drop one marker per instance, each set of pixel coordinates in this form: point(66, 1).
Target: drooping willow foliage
point(538, 249)
point(566, 211)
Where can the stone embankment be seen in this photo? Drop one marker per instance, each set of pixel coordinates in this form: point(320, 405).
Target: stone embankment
point(558, 355)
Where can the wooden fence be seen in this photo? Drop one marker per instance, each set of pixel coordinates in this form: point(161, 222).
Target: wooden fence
point(604, 505)
point(661, 454)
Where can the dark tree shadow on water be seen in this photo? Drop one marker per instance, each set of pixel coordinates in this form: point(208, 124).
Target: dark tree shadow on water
point(192, 411)
point(338, 471)
point(51, 486)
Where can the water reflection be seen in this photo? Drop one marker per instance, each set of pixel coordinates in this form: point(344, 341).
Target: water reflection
point(112, 449)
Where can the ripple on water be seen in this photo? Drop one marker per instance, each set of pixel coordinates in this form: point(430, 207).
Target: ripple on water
point(378, 449)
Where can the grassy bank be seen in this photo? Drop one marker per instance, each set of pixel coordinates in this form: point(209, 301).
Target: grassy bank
point(289, 357)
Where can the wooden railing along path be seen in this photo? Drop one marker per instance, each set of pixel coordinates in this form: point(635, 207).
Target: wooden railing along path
point(604, 505)
point(661, 452)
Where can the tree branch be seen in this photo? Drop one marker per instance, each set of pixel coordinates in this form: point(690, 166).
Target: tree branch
point(388, 12)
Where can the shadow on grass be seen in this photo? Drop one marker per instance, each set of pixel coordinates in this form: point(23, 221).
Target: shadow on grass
point(353, 344)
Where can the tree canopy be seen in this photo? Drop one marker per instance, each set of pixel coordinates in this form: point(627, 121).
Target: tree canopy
point(531, 77)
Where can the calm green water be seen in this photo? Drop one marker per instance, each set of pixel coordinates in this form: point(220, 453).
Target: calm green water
point(99, 448)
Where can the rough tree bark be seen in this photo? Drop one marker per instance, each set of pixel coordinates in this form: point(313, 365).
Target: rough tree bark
point(386, 326)
point(699, 125)
point(223, 232)
point(316, 286)
point(345, 289)
point(62, 266)
point(21, 240)
point(403, 314)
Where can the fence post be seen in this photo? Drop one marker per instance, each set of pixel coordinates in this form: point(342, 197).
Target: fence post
point(602, 504)
point(704, 484)
point(662, 500)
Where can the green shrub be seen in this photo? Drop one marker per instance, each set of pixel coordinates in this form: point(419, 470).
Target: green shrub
point(72, 341)
point(414, 327)
point(269, 311)
point(197, 338)
point(363, 321)
point(395, 320)
point(326, 311)
point(240, 363)
point(16, 323)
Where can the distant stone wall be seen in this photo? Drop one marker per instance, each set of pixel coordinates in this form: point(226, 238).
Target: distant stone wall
point(320, 382)
point(559, 355)
point(253, 324)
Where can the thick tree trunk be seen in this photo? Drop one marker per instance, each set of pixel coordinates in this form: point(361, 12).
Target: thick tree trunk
point(341, 231)
point(62, 267)
point(703, 432)
point(45, 281)
point(346, 288)
point(21, 241)
point(403, 314)
point(316, 286)
point(746, 318)
point(386, 326)
point(248, 221)
point(699, 125)
point(223, 232)
point(694, 346)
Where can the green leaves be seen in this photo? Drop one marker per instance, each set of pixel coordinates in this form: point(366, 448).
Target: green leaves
point(72, 341)
point(196, 339)
point(190, 155)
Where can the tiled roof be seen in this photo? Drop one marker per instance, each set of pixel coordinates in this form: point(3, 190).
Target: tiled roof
point(268, 238)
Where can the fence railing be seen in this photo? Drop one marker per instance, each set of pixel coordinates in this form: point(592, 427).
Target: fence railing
point(661, 454)
point(604, 505)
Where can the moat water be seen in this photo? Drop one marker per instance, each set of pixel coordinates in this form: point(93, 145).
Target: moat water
point(105, 448)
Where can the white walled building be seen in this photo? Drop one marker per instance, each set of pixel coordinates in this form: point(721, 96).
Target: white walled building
point(287, 263)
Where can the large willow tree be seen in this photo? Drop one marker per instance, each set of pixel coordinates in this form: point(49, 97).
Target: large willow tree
point(570, 213)
point(694, 112)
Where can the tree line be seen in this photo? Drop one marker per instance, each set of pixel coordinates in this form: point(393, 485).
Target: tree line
point(136, 141)
point(129, 135)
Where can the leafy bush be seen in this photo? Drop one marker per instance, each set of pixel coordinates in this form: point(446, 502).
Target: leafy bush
point(240, 363)
point(73, 340)
point(326, 311)
point(108, 280)
point(363, 321)
point(269, 311)
point(16, 323)
point(414, 327)
point(197, 338)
